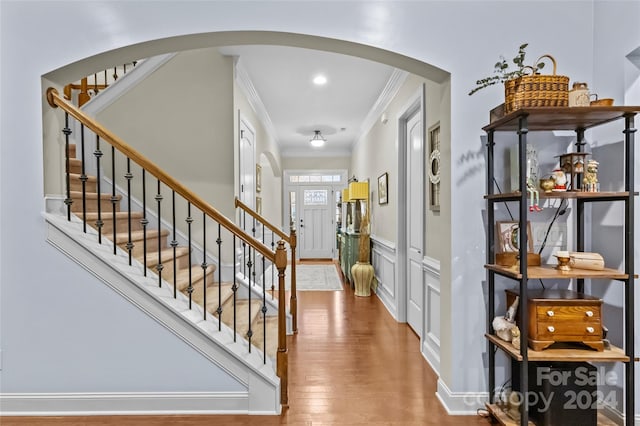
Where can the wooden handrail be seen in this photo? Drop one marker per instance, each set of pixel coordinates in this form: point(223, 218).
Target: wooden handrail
point(292, 241)
point(55, 100)
point(262, 220)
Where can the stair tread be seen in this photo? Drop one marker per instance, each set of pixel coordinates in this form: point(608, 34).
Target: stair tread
point(212, 295)
point(90, 178)
point(165, 254)
point(182, 275)
point(123, 237)
point(93, 195)
point(109, 215)
point(242, 314)
point(272, 334)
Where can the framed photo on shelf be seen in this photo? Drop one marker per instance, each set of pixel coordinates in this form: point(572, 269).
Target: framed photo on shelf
point(383, 186)
point(508, 236)
point(258, 178)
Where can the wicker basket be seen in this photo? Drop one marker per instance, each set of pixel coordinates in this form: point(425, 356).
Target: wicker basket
point(537, 90)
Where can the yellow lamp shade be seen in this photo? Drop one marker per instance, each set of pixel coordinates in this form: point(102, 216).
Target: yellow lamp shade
point(345, 195)
point(359, 190)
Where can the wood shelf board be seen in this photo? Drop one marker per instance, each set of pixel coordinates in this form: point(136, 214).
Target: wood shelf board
point(505, 420)
point(549, 272)
point(561, 118)
point(514, 196)
point(560, 352)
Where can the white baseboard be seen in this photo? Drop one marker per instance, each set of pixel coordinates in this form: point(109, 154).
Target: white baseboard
point(123, 403)
point(460, 403)
point(432, 358)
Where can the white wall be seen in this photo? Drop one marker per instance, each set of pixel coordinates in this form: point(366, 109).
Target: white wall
point(463, 38)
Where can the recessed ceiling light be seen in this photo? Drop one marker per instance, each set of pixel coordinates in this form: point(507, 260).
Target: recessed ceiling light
point(319, 80)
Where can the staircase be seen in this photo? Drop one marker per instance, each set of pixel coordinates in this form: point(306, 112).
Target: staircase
point(189, 278)
point(149, 238)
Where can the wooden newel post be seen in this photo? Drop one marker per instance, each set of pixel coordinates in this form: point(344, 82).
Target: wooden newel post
point(293, 303)
point(282, 356)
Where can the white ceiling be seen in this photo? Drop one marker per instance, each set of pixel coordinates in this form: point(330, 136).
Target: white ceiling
point(282, 79)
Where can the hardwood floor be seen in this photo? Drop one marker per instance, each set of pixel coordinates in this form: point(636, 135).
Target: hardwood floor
point(350, 364)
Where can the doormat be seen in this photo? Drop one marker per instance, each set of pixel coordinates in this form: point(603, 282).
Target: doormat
point(314, 278)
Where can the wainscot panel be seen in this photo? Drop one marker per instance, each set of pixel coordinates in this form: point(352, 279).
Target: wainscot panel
point(431, 339)
point(383, 256)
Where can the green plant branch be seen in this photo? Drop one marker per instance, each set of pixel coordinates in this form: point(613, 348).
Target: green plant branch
point(502, 73)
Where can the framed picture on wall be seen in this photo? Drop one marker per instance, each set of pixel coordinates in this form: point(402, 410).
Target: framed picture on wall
point(383, 186)
point(258, 178)
point(508, 236)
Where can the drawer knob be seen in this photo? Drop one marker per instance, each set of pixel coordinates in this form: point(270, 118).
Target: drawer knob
point(551, 329)
point(550, 313)
point(590, 329)
point(589, 313)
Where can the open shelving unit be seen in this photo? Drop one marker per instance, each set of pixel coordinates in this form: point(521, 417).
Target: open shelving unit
point(578, 119)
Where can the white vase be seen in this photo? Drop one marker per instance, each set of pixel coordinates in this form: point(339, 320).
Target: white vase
point(362, 274)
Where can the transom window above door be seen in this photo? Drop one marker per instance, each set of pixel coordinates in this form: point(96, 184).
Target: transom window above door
point(314, 178)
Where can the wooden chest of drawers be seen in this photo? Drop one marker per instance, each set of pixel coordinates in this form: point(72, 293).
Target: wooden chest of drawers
point(562, 316)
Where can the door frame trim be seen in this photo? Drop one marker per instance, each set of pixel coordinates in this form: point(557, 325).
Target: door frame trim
point(415, 104)
point(287, 186)
point(244, 120)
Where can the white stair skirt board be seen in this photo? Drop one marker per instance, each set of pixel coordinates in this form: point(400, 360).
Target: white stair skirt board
point(263, 395)
point(309, 278)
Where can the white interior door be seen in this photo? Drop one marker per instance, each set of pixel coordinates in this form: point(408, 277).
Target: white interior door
point(247, 152)
point(315, 224)
point(415, 215)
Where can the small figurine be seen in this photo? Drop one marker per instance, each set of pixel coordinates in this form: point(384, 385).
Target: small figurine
point(515, 337)
point(590, 180)
point(534, 196)
point(503, 325)
point(560, 180)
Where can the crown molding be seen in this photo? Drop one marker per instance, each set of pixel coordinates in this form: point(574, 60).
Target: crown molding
point(246, 85)
point(395, 82)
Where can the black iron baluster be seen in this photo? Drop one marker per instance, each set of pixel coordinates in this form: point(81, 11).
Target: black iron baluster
point(234, 288)
point(113, 199)
point(115, 74)
point(144, 220)
point(273, 267)
point(264, 304)
point(219, 310)
point(98, 155)
point(189, 221)
point(83, 179)
point(159, 265)
point(244, 244)
point(250, 331)
point(129, 176)
point(95, 83)
point(174, 243)
point(252, 278)
point(67, 131)
point(204, 264)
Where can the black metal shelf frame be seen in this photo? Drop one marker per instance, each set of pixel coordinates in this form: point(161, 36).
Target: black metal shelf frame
point(521, 197)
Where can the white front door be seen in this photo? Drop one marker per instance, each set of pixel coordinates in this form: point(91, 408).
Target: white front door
point(247, 153)
point(415, 215)
point(315, 224)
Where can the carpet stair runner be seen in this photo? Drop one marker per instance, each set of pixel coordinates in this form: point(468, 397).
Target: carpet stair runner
point(159, 239)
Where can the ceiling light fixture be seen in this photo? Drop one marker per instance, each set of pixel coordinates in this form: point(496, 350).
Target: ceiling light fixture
point(319, 80)
point(317, 140)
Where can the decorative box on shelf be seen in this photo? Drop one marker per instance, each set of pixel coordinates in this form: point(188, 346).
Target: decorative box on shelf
point(562, 316)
